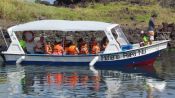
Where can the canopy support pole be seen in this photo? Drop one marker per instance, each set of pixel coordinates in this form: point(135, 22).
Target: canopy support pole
point(92, 63)
point(22, 58)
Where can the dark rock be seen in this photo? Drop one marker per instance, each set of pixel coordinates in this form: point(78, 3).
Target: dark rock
point(3, 48)
point(133, 18)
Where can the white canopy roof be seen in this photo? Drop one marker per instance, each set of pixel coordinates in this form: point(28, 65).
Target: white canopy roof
point(61, 25)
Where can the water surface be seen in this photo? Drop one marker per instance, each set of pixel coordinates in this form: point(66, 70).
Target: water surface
point(26, 81)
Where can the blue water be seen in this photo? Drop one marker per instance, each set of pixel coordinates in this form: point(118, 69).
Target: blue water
point(26, 81)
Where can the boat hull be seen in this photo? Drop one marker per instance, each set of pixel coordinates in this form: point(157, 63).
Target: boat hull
point(138, 56)
point(146, 59)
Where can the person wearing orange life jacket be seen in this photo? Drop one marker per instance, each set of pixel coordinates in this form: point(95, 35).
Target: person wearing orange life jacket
point(84, 48)
point(95, 48)
point(92, 40)
point(72, 50)
point(48, 47)
point(58, 49)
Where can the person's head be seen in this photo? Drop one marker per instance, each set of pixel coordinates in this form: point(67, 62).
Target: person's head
point(154, 16)
point(142, 32)
point(80, 40)
point(71, 43)
point(84, 43)
point(106, 42)
point(95, 43)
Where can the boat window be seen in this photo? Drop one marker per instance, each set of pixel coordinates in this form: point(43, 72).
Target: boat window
point(119, 35)
point(65, 40)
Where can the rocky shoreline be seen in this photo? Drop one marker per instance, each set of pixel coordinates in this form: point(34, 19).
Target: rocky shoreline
point(163, 31)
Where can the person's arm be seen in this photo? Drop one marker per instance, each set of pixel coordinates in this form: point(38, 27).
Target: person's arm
point(62, 51)
point(97, 50)
point(77, 50)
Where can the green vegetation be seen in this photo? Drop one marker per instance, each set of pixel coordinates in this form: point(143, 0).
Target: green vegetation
point(122, 13)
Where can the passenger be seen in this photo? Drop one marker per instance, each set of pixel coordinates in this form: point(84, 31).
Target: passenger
point(144, 39)
point(66, 46)
point(39, 47)
point(48, 47)
point(72, 50)
point(84, 48)
point(29, 38)
point(95, 48)
point(80, 41)
point(93, 39)
point(58, 49)
point(23, 43)
point(104, 43)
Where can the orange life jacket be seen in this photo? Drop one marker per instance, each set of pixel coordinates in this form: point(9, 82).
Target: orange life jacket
point(95, 49)
point(72, 50)
point(58, 49)
point(48, 49)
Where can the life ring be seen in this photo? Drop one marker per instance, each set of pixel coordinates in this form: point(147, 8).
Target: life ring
point(29, 36)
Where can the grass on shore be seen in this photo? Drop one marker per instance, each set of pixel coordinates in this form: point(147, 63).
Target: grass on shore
point(122, 13)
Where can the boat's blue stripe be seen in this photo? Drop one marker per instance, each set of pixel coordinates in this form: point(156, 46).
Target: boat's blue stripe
point(105, 63)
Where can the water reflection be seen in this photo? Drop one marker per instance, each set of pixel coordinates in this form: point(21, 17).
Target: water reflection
point(11, 81)
point(81, 82)
point(62, 81)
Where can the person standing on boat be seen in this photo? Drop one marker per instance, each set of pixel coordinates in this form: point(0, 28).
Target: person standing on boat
point(151, 28)
point(58, 49)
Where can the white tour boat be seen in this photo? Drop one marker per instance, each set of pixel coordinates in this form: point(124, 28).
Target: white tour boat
point(113, 55)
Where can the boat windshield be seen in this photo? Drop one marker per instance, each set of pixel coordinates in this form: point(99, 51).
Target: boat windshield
point(119, 35)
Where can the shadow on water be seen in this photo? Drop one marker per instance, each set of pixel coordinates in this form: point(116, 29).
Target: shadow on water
point(81, 82)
